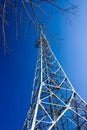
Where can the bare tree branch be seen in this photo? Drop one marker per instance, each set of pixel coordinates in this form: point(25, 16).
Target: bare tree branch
point(27, 12)
point(15, 15)
point(3, 26)
point(36, 5)
point(23, 6)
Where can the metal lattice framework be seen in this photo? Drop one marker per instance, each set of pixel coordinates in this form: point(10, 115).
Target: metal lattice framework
point(55, 105)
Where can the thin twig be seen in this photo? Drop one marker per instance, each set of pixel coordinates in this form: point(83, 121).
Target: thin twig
point(36, 5)
point(27, 12)
point(68, 10)
point(3, 26)
point(15, 13)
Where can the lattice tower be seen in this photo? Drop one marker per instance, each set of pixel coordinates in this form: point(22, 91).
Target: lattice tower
point(55, 105)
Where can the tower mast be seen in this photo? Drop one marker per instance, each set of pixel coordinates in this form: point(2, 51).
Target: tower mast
point(55, 105)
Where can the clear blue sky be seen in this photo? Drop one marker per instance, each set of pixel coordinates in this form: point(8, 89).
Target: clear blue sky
point(17, 68)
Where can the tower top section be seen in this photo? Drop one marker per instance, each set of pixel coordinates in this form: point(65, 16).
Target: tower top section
point(41, 37)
